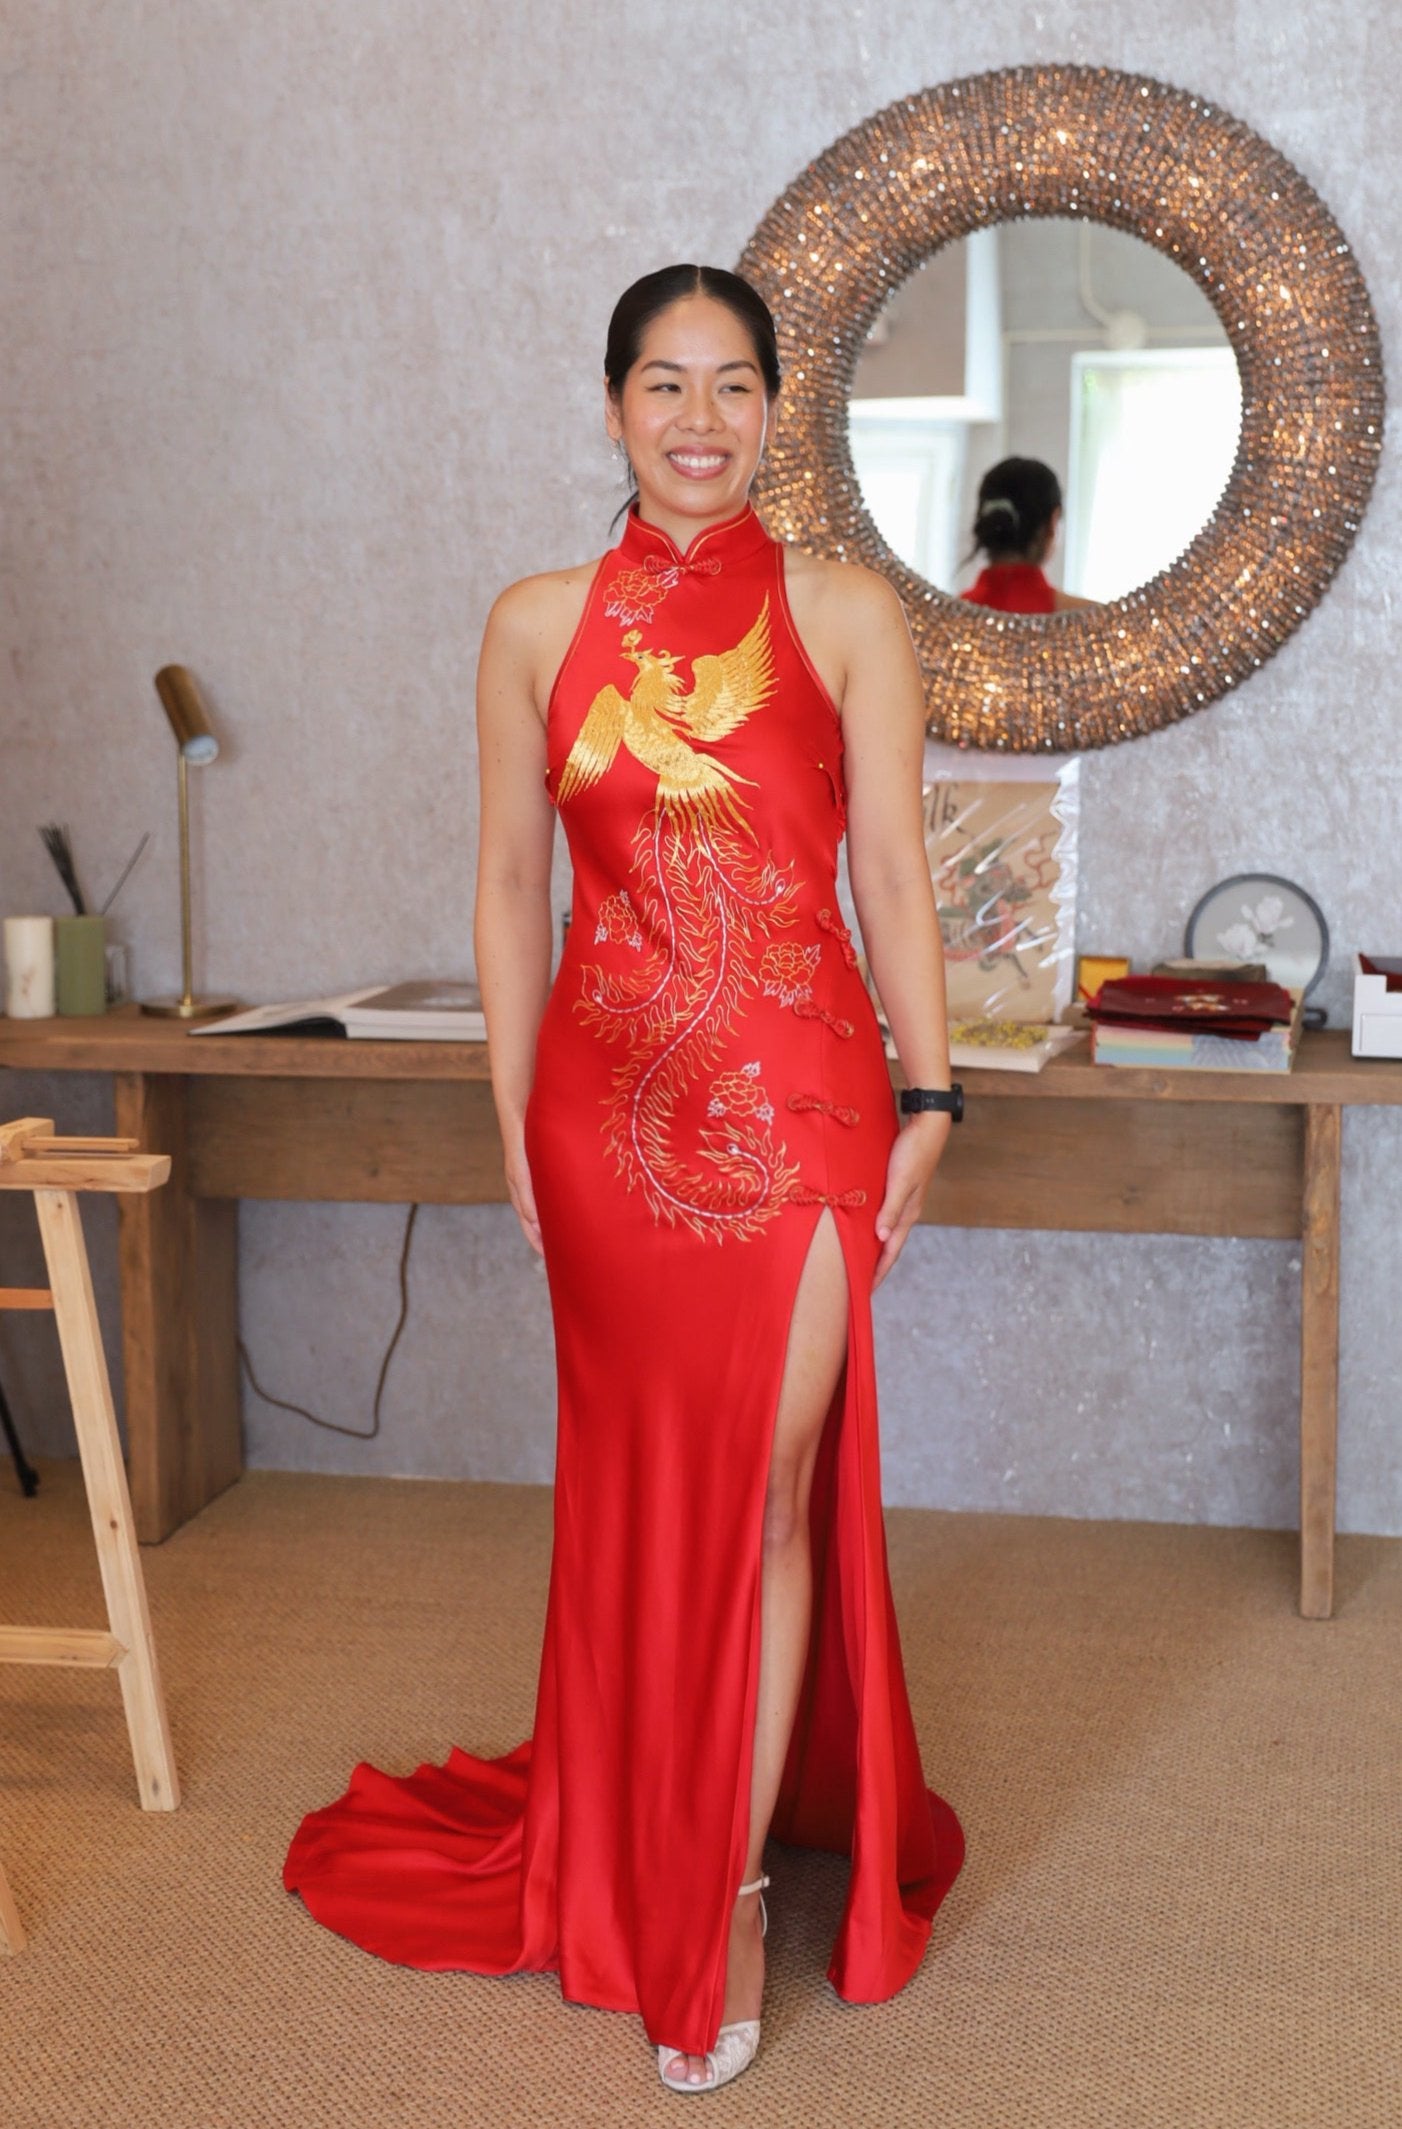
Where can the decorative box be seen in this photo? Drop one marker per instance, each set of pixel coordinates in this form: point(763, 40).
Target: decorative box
point(1377, 1005)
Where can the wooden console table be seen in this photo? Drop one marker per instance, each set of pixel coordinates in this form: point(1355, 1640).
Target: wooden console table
point(1073, 1147)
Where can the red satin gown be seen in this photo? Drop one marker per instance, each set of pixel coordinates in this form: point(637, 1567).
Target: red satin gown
point(709, 1080)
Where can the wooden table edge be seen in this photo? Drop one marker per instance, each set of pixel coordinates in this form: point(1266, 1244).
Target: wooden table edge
point(127, 1041)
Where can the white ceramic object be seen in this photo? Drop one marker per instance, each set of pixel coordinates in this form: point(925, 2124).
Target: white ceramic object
point(29, 968)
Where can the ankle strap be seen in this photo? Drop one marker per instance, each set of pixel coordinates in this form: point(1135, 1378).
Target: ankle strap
point(756, 1885)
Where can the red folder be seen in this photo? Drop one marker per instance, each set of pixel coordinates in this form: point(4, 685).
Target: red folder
point(1215, 1004)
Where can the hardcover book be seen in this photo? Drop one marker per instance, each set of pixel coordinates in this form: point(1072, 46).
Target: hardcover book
point(1203, 1046)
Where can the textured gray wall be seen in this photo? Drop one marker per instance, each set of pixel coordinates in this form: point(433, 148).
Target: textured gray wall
point(302, 308)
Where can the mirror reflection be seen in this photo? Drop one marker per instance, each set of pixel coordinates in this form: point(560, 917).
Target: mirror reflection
point(1067, 346)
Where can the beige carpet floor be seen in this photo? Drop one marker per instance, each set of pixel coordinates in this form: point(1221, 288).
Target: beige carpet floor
point(1183, 1806)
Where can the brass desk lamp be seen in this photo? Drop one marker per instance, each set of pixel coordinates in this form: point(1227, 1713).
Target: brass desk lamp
point(194, 736)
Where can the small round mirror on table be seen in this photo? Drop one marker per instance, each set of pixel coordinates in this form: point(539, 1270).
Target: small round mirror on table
point(835, 257)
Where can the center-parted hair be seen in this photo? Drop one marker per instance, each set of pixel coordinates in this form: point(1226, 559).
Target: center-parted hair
point(656, 292)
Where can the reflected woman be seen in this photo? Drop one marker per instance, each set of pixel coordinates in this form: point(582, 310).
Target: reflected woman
point(1015, 528)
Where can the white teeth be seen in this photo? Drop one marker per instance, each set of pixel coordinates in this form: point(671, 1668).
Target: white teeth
point(694, 459)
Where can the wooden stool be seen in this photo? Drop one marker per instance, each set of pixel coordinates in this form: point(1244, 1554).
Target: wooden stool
point(55, 1171)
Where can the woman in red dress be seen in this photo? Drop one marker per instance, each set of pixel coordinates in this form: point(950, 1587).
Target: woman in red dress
point(700, 1137)
point(1015, 527)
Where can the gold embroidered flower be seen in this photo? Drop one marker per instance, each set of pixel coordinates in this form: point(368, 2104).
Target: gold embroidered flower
point(787, 971)
point(740, 1094)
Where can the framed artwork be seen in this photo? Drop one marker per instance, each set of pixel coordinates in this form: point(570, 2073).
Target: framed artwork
point(1002, 855)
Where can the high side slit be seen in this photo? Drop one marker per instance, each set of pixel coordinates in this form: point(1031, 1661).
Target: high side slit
point(709, 1078)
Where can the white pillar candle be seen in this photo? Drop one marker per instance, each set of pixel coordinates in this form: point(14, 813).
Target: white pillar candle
point(29, 968)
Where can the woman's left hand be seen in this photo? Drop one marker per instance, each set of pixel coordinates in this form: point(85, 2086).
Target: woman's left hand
point(914, 1159)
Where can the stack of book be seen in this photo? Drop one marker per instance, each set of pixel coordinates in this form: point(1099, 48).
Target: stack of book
point(1195, 1023)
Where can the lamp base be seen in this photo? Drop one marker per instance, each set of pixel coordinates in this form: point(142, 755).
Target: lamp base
point(189, 1008)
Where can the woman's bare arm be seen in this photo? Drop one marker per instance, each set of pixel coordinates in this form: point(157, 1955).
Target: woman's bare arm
point(863, 648)
point(883, 721)
point(513, 923)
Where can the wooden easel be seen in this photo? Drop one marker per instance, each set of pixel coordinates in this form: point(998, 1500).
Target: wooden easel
point(55, 1171)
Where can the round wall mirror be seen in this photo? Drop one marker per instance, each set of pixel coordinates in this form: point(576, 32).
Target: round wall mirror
point(1011, 156)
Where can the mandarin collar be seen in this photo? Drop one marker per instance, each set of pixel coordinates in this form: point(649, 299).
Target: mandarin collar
point(726, 542)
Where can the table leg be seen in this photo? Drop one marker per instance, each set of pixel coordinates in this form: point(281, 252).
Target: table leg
point(1319, 1357)
point(178, 1257)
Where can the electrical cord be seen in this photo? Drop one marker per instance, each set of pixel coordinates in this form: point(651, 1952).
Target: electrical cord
point(333, 1426)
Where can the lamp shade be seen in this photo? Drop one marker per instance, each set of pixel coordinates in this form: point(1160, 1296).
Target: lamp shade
point(189, 719)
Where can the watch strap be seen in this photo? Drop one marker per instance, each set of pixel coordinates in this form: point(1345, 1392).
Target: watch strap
point(950, 1100)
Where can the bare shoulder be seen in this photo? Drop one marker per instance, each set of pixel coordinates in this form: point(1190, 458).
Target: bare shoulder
point(844, 591)
point(533, 605)
point(849, 620)
point(532, 624)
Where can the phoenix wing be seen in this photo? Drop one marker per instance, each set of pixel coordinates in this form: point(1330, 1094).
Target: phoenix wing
point(686, 782)
point(595, 744)
point(729, 688)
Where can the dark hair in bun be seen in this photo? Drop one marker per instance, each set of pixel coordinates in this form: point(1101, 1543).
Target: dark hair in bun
point(1017, 500)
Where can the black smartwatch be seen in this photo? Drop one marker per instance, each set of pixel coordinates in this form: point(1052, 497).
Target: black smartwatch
point(914, 1099)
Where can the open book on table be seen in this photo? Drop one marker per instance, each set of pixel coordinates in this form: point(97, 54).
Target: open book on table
point(404, 1012)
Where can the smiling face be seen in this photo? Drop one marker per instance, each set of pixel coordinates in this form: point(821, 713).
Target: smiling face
point(691, 415)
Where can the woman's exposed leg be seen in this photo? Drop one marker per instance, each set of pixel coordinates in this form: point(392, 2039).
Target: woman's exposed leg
point(817, 1349)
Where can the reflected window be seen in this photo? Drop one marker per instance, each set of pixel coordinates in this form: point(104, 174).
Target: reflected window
point(909, 458)
point(1153, 436)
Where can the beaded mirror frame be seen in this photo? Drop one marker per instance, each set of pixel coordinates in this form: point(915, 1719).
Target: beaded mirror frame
point(1220, 202)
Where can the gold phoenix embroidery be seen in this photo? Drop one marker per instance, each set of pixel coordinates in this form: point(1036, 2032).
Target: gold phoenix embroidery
point(709, 901)
point(655, 721)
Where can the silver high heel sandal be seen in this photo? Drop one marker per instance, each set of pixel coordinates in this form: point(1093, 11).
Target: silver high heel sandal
point(736, 2045)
